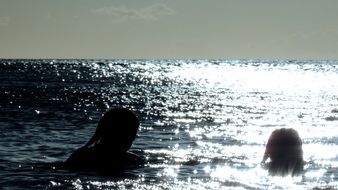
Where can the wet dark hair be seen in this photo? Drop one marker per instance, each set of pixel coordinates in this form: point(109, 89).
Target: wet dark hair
point(284, 148)
point(116, 129)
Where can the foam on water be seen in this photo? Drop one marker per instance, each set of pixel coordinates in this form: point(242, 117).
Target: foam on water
point(204, 123)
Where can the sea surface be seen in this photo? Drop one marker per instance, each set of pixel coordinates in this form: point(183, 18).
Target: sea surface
point(204, 123)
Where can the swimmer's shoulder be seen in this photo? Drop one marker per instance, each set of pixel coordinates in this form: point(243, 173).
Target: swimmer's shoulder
point(133, 159)
point(82, 158)
point(91, 159)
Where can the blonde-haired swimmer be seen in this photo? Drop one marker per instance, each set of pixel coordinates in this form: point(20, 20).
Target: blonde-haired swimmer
point(284, 149)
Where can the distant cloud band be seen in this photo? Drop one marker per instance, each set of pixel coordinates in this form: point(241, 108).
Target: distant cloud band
point(4, 21)
point(121, 13)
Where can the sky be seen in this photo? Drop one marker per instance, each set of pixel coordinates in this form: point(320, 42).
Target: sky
point(169, 29)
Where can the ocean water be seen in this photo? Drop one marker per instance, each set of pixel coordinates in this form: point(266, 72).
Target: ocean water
point(204, 123)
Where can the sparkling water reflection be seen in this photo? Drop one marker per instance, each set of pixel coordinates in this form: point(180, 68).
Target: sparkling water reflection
point(204, 123)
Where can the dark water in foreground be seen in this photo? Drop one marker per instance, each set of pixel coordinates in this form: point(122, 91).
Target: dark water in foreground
point(204, 123)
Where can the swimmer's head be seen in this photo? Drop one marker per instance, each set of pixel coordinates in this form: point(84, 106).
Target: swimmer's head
point(284, 149)
point(116, 130)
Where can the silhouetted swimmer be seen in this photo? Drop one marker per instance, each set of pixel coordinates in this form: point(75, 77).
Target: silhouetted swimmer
point(107, 150)
point(284, 149)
